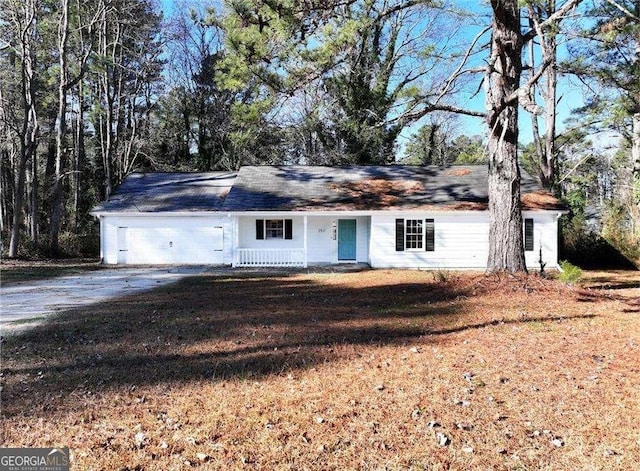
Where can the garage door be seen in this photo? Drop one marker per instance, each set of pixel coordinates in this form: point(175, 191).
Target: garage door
point(170, 245)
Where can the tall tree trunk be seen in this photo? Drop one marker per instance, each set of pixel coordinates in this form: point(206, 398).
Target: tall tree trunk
point(506, 249)
point(635, 175)
point(545, 145)
point(635, 145)
point(108, 138)
point(33, 201)
point(4, 203)
point(30, 128)
point(80, 153)
point(635, 132)
point(551, 102)
point(635, 137)
point(7, 157)
point(56, 210)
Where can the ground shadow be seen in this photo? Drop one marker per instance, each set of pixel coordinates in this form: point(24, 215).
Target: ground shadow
point(596, 253)
point(214, 327)
point(600, 294)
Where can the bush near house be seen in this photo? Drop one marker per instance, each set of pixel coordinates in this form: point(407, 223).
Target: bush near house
point(570, 273)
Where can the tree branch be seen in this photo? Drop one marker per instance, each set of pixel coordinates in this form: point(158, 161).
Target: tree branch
point(558, 15)
point(431, 107)
point(459, 71)
point(568, 174)
point(622, 8)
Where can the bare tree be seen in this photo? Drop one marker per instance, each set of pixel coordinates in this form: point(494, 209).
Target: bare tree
point(128, 57)
point(56, 212)
point(23, 18)
point(545, 143)
point(65, 83)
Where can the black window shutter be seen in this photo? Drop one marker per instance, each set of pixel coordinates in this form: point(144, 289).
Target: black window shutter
point(399, 235)
point(528, 235)
point(259, 229)
point(288, 229)
point(430, 235)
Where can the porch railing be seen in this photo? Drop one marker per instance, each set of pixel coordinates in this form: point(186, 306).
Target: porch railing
point(270, 258)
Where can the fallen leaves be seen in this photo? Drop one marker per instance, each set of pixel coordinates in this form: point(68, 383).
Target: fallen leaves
point(442, 439)
point(380, 369)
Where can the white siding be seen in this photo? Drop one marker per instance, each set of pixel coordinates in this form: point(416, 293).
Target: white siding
point(109, 241)
point(247, 234)
point(166, 240)
point(363, 226)
point(545, 236)
point(461, 241)
point(322, 247)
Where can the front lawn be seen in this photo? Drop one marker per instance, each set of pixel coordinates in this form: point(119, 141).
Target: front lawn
point(372, 370)
point(17, 271)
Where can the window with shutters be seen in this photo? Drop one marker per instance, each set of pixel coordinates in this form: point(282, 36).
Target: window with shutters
point(274, 229)
point(414, 234)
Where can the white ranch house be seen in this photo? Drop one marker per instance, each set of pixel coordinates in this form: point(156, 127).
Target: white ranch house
point(296, 216)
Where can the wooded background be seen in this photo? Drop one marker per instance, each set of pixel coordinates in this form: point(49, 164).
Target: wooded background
point(92, 90)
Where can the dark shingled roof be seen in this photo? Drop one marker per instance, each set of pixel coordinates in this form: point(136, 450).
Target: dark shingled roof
point(316, 188)
point(169, 192)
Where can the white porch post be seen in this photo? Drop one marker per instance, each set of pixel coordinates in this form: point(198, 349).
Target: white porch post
point(102, 241)
point(236, 240)
point(305, 241)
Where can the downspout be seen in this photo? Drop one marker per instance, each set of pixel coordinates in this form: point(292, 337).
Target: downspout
point(236, 240)
point(101, 222)
point(557, 263)
point(306, 258)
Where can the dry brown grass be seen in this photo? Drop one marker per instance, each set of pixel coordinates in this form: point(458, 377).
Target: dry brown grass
point(336, 371)
point(17, 270)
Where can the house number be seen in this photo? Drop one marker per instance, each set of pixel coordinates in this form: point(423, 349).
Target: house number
point(322, 230)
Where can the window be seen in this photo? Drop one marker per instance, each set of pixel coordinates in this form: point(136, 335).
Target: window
point(528, 235)
point(415, 234)
point(274, 229)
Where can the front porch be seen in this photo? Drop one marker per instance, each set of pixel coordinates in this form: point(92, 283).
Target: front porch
point(286, 240)
point(289, 257)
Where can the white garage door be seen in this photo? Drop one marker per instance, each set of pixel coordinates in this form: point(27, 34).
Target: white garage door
point(149, 245)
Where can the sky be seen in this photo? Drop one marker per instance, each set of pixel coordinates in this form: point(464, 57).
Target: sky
point(569, 92)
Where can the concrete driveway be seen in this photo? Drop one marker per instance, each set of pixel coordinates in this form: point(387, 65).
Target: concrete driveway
point(27, 304)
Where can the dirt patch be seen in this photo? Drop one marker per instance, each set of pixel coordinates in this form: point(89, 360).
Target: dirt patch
point(377, 369)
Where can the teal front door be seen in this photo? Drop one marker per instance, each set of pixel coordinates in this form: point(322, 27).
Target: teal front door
point(346, 239)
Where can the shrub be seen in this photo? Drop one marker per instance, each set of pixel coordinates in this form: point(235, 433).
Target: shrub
point(74, 245)
point(70, 245)
point(570, 273)
point(441, 275)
